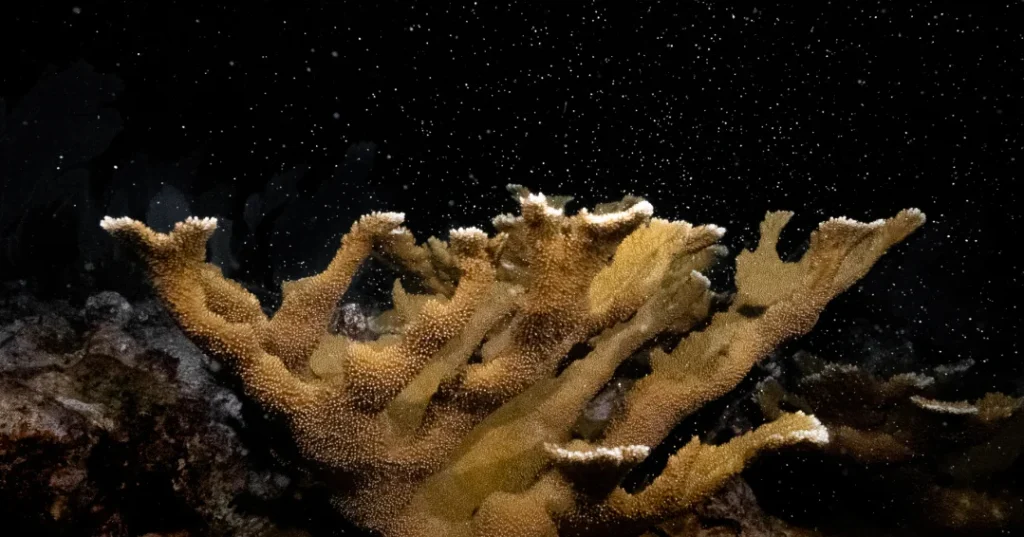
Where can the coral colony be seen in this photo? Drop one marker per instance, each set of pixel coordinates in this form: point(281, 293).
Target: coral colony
point(459, 420)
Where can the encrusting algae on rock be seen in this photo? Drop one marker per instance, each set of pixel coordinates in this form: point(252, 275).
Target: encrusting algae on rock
point(461, 422)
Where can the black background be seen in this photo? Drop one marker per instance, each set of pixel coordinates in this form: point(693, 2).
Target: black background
point(311, 113)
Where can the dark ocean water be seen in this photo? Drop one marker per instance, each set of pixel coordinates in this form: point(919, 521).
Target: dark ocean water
point(287, 121)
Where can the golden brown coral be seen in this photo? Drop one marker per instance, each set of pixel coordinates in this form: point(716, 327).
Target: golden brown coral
point(948, 462)
point(460, 423)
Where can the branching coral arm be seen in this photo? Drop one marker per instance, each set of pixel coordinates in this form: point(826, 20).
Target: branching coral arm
point(697, 470)
point(561, 254)
point(307, 304)
point(377, 372)
point(640, 265)
point(218, 315)
point(775, 302)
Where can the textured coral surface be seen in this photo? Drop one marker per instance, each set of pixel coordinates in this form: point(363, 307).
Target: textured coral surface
point(461, 420)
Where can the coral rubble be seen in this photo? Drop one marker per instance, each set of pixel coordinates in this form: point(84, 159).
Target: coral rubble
point(111, 426)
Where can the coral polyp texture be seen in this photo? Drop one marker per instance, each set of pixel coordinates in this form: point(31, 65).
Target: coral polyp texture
point(460, 420)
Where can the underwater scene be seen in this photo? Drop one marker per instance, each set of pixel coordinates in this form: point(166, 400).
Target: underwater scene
point(511, 269)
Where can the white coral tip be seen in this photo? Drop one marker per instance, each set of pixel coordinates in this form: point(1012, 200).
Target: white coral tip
point(643, 209)
point(916, 214)
point(718, 231)
point(505, 220)
point(467, 233)
point(110, 223)
point(390, 217)
point(816, 433)
point(944, 407)
point(616, 455)
point(540, 200)
point(704, 281)
point(207, 223)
